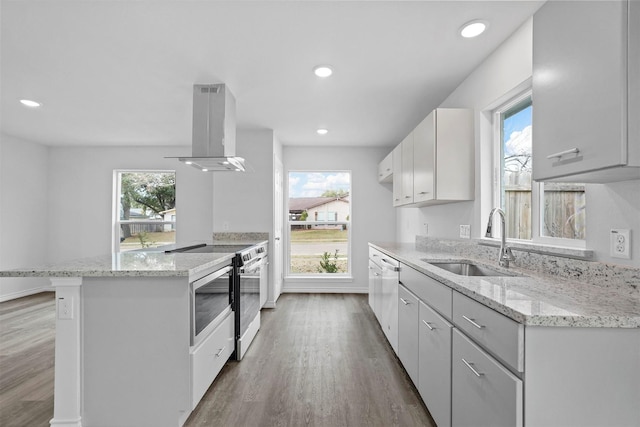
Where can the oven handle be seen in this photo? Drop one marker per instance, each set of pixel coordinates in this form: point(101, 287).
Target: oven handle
point(211, 277)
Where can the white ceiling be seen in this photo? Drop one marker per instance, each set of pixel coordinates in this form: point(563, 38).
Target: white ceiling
point(121, 72)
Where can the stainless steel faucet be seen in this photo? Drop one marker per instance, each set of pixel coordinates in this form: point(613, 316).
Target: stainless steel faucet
point(505, 252)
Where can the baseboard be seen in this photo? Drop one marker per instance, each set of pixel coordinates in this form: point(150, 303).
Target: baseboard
point(26, 293)
point(269, 304)
point(324, 290)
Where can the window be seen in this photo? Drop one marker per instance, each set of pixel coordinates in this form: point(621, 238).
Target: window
point(319, 223)
point(542, 212)
point(145, 209)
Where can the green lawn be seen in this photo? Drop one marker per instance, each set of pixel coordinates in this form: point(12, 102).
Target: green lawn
point(319, 235)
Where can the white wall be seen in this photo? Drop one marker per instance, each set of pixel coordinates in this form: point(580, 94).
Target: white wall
point(372, 214)
point(243, 201)
point(81, 193)
point(23, 213)
point(504, 72)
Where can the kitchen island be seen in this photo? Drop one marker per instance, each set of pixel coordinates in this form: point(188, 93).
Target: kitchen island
point(123, 354)
point(517, 346)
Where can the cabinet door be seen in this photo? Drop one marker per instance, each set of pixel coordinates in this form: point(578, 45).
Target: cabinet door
point(396, 157)
point(390, 307)
point(374, 274)
point(385, 169)
point(407, 169)
point(484, 393)
point(424, 158)
point(434, 364)
point(408, 317)
point(579, 87)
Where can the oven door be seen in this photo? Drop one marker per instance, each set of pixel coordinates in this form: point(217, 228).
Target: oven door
point(211, 299)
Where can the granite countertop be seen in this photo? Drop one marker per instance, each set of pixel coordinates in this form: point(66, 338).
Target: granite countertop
point(528, 297)
point(129, 264)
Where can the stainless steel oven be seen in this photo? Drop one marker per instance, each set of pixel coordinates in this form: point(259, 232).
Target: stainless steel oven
point(252, 265)
point(211, 300)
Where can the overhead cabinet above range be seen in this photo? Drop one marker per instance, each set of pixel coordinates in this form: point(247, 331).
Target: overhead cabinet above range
point(586, 91)
point(434, 164)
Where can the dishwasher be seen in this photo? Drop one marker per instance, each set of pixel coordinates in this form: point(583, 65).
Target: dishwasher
point(384, 277)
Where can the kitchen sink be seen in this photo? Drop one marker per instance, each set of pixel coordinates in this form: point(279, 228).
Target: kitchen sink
point(469, 269)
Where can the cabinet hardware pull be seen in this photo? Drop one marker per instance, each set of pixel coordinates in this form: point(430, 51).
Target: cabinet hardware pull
point(423, 192)
point(404, 301)
point(472, 322)
point(562, 153)
point(397, 200)
point(376, 274)
point(388, 169)
point(431, 328)
point(407, 197)
point(220, 352)
point(478, 374)
point(388, 265)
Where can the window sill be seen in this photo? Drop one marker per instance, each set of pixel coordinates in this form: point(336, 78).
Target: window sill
point(560, 251)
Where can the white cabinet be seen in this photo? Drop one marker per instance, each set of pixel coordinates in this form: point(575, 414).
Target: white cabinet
point(434, 293)
point(434, 364)
point(208, 358)
point(503, 337)
point(408, 331)
point(443, 162)
point(396, 156)
point(437, 164)
point(586, 91)
point(403, 172)
point(385, 169)
point(484, 392)
point(389, 300)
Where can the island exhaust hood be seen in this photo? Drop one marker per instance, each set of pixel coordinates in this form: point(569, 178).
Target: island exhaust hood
point(214, 130)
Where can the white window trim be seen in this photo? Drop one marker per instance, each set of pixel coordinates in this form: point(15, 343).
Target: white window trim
point(537, 195)
point(316, 277)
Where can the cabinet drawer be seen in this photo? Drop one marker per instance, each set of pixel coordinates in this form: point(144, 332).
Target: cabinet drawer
point(209, 357)
point(434, 364)
point(497, 333)
point(485, 393)
point(432, 292)
point(408, 331)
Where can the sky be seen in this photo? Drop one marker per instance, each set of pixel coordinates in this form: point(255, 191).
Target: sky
point(517, 133)
point(313, 184)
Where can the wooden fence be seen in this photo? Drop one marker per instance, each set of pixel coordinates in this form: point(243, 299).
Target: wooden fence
point(563, 213)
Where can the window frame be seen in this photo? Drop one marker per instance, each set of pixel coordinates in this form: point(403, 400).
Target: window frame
point(115, 208)
point(537, 188)
point(287, 232)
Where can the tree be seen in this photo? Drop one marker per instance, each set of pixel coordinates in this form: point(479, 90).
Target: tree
point(153, 191)
point(335, 193)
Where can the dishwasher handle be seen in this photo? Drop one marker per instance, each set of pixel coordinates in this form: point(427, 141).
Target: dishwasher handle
point(386, 264)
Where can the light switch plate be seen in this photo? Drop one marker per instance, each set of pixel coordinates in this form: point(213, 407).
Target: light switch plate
point(465, 231)
point(620, 240)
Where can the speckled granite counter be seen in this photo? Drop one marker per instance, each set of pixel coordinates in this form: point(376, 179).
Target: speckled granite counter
point(530, 298)
point(128, 264)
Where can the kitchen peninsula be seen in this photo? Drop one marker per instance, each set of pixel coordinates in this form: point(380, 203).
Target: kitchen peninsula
point(123, 354)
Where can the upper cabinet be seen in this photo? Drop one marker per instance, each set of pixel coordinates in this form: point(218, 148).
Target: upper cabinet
point(586, 91)
point(437, 164)
point(385, 169)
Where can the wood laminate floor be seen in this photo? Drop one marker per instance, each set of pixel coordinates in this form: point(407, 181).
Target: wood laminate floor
point(318, 360)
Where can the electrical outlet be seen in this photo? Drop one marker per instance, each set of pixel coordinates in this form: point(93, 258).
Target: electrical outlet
point(465, 231)
point(65, 308)
point(620, 240)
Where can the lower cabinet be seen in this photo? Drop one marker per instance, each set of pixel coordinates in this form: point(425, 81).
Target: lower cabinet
point(485, 393)
point(408, 316)
point(208, 358)
point(434, 364)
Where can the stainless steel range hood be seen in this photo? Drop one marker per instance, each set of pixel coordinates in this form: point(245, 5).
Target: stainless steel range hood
point(214, 130)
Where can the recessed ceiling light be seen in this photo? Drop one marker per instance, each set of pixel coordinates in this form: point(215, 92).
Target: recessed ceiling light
point(473, 29)
point(188, 162)
point(205, 170)
point(323, 71)
point(322, 131)
point(30, 103)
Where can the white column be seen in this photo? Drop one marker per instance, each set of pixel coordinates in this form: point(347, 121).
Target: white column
point(68, 360)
